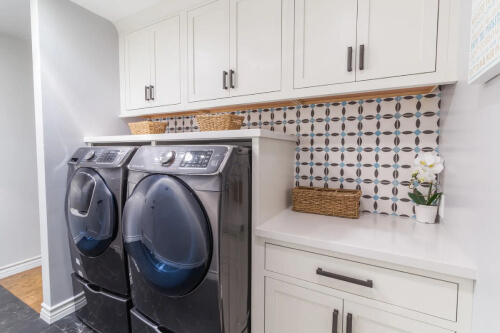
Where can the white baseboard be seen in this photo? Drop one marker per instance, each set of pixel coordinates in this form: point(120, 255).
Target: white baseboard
point(20, 266)
point(51, 314)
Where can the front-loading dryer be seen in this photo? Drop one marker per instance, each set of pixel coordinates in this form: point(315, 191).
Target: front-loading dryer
point(96, 192)
point(186, 227)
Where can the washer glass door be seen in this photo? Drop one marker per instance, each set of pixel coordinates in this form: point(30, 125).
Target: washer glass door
point(90, 212)
point(167, 235)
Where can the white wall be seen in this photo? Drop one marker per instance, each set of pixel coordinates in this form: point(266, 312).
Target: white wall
point(19, 221)
point(470, 142)
point(76, 74)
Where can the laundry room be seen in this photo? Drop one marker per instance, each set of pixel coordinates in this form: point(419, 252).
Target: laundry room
point(249, 166)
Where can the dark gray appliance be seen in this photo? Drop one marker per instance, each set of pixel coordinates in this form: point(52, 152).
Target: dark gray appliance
point(96, 192)
point(186, 227)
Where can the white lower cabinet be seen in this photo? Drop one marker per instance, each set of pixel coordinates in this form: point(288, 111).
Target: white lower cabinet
point(293, 309)
point(309, 292)
point(362, 319)
point(415, 292)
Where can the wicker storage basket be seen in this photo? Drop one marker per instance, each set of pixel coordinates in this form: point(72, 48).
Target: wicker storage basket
point(147, 127)
point(326, 201)
point(221, 122)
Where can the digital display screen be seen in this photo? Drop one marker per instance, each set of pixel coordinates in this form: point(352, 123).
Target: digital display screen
point(196, 159)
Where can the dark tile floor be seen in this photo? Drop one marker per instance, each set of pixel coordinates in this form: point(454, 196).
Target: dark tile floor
point(17, 317)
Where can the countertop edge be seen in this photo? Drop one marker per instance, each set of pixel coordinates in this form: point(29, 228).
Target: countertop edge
point(215, 135)
point(391, 258)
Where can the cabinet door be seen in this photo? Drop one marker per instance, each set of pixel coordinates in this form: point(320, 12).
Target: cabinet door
point(255, 46)
point(166, 76)
point(324, 32)
point(293, 309)
point(138, 68)
point(399, 37)
point(362, 319)
point(208, 51)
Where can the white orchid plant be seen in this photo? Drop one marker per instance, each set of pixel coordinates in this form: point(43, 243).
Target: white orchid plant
point(427, 167)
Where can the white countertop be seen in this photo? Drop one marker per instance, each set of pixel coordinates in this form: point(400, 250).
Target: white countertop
point(391, 239)
point(193, 136)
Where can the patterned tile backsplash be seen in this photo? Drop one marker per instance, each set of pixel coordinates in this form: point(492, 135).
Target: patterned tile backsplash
point(365, 144)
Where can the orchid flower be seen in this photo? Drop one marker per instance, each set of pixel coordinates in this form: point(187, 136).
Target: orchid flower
point(427, 167)
point(430, 162)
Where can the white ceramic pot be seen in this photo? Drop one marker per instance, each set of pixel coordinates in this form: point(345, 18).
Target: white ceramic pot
point(426, 214)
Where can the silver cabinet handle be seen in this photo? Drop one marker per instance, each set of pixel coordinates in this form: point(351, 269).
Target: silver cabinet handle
point(152, 92)
point(349, 59)
point(146, 93)
point(231, 79)
point(362, 57)
point(224, 79)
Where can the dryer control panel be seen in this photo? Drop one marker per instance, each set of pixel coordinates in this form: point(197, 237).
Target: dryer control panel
point(180, 159)
point(100, 156)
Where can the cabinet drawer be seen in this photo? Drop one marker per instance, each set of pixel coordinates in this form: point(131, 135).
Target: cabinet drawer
point(427, 295)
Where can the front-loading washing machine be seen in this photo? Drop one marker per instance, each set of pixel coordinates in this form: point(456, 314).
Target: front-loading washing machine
point(96, 192)
point(186, 228)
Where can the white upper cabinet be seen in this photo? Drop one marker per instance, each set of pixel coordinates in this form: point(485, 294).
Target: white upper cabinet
point(243, 52)
point(255, 46)
point(138, 69)
point(208, 52)
point(293, 309)
point(166, 78)
point(362, 319)
point(399, 37)
point(234, 49)
point(325, 42)
point(152, 65)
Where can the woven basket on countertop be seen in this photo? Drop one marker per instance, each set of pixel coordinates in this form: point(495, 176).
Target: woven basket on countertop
point(147, 127)
point(222, 122)
point(326, 201)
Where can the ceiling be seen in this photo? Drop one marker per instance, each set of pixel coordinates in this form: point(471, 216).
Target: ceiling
point(114, 10)
point(15, 18)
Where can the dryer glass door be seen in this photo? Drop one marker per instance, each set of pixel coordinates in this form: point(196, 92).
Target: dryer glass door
point(167, 235)
point(90, 212)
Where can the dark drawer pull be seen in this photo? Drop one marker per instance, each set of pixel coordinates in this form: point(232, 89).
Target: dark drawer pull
point(368, 283)
point(349, 59)
point(231, 79)
point(224, 78)
point(349, 323)
point(335, 321)
point(362, 57)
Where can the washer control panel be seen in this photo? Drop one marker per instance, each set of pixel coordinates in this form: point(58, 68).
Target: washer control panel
point(99, 156)
point(196, 159)
point(180, 159)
